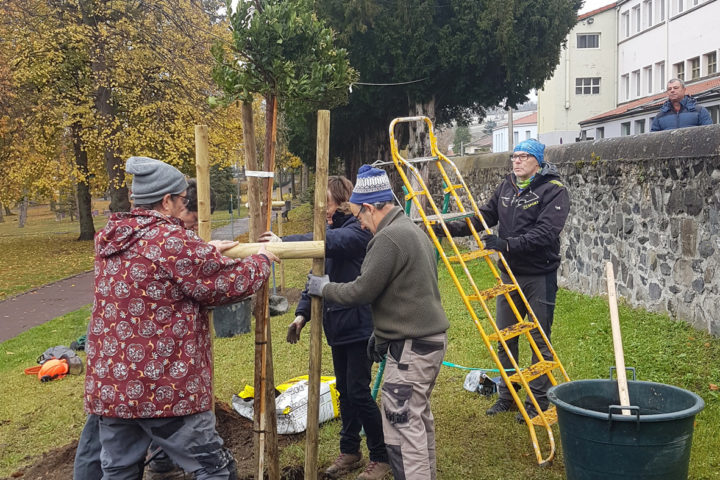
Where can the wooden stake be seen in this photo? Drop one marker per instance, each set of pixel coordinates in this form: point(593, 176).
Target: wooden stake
point(282, 265)
point(617, 340)
point(313, 411)
point(202, 176)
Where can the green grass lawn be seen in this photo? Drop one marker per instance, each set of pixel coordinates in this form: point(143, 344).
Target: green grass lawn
point(47, 250)
point(36, 417)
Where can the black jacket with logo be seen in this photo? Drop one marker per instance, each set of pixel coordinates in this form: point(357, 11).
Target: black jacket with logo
point(530, 220)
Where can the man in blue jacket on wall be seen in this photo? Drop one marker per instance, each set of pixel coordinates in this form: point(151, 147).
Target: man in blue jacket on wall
point(679, 110)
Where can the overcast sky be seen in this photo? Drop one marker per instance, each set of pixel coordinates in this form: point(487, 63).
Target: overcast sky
point(593, 4)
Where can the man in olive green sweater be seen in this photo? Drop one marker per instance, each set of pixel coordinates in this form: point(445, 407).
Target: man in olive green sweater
point(398, 278)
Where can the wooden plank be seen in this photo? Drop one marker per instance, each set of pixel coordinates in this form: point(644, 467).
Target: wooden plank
point(289, 250)
point(318, 268)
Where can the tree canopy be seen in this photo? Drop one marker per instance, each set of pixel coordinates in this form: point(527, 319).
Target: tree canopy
point(446, 59)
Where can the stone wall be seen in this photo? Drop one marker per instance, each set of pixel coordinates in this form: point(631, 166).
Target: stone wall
point(650, 204)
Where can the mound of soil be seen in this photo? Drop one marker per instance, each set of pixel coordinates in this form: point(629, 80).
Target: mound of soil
point(236, 432)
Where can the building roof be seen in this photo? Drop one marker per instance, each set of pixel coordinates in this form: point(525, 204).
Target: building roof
point(596, 11)
point(653, 102)
point(527, 120)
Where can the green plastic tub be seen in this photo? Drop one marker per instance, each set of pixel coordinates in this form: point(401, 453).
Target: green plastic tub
point(599, 443)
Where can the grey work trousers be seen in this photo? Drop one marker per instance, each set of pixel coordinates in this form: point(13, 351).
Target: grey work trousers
point(411, 369)
point(540, 291)
point(191, 441)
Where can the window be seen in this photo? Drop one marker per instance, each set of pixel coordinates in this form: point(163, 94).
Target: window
point(600, 132)
point(695, 2)
point(680, 5)
point(660, 76)
point(660, 6)
point(625, 86)
point(625, 129)
point(679, 69)
point(587, 86)
point(636, 18)
point(639, 126)
point(516, 138)
point(694, 68)
point(710, 63)
point(527, 134)
point(588, 40)
point(647, 72)
point(625, 23)
point(648, 9)
point(636, 82)
point(714, 112)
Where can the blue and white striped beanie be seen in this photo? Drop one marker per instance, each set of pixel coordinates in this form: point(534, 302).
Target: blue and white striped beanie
point(372, 186)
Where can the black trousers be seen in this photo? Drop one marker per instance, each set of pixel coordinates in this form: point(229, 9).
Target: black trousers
point(357, 408)
point(540, 291)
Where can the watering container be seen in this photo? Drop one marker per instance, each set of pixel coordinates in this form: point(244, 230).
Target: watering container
point(600, 443)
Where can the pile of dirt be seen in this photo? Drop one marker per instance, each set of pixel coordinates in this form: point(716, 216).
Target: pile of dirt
point(236, 432)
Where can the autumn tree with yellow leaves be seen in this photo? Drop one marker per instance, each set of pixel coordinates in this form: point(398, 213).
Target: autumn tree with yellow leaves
point(105, 80)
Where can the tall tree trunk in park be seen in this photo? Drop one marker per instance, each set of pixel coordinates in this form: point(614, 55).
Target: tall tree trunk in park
point(23, 212)
point(119, 200)
point(292, 184)
point(84, 199)
point(2, 217)
point(7, 210)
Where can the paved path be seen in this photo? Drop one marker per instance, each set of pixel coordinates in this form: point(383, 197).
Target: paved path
point(37, 306)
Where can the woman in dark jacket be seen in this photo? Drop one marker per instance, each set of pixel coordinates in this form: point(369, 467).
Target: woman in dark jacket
point(347, 330)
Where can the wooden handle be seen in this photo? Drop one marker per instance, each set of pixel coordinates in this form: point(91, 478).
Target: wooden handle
point(617, 340)
point(283, 250)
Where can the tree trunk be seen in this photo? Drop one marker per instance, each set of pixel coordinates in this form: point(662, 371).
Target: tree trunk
point(119, 200)
point(292, 184)
point(84, 199)
point(2, 217)
point(419, 146)
point(23, 212)
point(7, 210)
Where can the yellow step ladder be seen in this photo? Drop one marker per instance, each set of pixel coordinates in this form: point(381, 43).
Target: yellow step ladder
point(474, 299)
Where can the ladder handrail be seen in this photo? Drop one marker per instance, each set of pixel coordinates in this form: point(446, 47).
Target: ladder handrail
point(450, 189)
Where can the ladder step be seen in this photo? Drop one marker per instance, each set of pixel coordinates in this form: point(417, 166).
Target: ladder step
point(534, 371)
point(379, 163)
point(466, 257)
point(550, 416)
point(512, 331)
point(493, 292)
point(447, 217)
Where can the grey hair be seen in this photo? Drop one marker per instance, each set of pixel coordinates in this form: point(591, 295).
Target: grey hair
point(673, 80)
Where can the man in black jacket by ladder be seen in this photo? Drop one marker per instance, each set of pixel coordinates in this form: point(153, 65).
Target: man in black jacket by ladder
point(530, 208)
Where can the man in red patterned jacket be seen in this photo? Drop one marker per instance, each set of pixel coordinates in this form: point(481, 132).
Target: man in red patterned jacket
point(148, 346)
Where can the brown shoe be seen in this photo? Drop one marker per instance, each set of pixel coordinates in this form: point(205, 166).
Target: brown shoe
point(344, 463)
point(375, 471)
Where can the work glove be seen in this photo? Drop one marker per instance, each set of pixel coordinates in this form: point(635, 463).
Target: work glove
point(294, 329)
point(376, 351)
point(269, 237)
point(316, 284)
point(493, 242)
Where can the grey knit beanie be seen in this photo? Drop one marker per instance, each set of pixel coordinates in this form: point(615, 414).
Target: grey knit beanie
point(153, 179)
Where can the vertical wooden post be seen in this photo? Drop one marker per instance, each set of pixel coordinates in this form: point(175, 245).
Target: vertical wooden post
point(251, 163)
point(202, 175)
point(282, 265)
point(313, 411)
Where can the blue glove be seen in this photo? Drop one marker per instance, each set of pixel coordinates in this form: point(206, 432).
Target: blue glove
point(316, 284)
point(493, 242)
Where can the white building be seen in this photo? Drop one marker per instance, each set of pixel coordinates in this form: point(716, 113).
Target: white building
point(524, 127)
point(659, 40)
point(584, 82)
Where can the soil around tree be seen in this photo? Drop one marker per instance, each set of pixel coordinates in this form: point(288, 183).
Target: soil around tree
point(236, 432)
